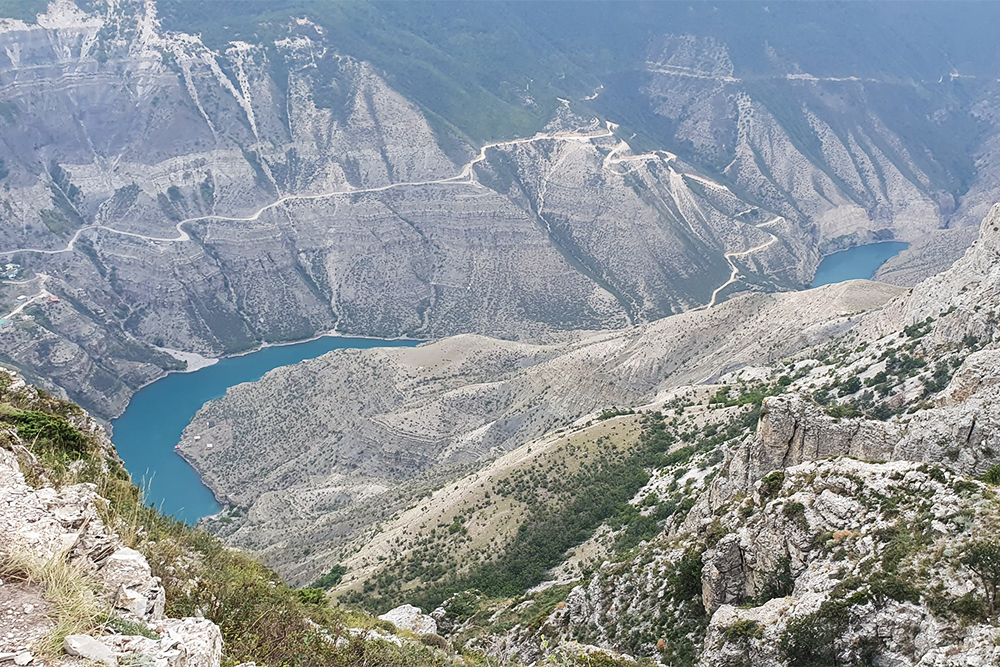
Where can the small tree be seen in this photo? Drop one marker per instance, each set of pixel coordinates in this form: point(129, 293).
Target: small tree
point(983, 558)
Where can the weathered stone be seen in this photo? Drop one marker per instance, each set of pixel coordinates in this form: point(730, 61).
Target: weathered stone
point(85, 646)
point(408, 617)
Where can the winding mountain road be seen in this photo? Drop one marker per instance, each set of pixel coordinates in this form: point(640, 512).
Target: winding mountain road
point(465, 177)
point(42, 294)
point(735, 270)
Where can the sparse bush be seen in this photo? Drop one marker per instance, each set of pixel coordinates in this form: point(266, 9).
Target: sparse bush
point(331, 578)
point(771, 484)
point(983, 558)
point(992, 475)
point(743, 629)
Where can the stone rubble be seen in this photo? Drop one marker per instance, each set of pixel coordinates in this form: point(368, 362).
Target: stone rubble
point(47, 523)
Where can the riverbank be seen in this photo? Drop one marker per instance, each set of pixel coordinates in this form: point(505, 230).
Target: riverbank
point(152, 423)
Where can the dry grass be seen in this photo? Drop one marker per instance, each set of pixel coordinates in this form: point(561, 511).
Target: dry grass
point(68, 588)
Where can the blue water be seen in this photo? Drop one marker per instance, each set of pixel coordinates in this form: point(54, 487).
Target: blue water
point(859, 262)
point(152, 423)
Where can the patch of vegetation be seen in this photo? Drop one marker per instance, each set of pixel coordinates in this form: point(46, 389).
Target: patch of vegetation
point(778, 584)
point(608, 413)
point(842, 411)
point(992, 475)
point(771, 484)
point(808, 641)
point(983, 558)
point(743, 629)
point(331, 578)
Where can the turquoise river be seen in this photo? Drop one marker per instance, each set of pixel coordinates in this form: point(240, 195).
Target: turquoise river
point(859, 262)
point(152, 423)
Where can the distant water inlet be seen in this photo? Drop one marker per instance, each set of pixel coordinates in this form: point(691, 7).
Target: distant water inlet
point(151, 425)
point(860, 262)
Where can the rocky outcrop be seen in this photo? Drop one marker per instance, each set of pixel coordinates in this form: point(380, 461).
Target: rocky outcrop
point(187, 642)
point(842, 510)
point(408, 617)
point(794, 429)
point(64, 524)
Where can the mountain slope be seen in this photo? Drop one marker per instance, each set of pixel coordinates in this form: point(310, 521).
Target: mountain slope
point(769, 527)
point(362, 431)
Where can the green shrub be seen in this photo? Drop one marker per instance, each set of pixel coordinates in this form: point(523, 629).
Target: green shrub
point(46, 432)
point(771, 484)
point(983, 558)
point(779, 583)
point(315, 596)
point(331, 578)
point(743, 629)
point(809, 641)
point(842, 411)
point(992, 475)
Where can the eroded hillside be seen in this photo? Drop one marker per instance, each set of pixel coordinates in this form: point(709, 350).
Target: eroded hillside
point(304, 449)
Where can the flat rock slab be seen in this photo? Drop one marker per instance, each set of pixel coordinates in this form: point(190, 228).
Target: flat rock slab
point(85, 646)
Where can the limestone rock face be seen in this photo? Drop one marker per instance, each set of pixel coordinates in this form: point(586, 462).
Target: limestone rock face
point(188, 642)
point(962, 437)
point(979, 371)
point(408, 617)
point(723, 576)
point(127, 573)
point(845, 509)
point(793, 429)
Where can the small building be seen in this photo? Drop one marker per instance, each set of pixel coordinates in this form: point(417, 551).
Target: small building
point(53, 299)
point(197, 438)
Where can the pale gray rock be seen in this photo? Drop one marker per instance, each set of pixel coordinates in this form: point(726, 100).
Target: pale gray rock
point(723, 576)
point(186, 642)
point(794, 429)
point(85, 646)
point(408, 617)
point(64, 523)
point(127, 573)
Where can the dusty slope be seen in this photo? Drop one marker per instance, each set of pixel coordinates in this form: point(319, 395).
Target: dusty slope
point(299, 449)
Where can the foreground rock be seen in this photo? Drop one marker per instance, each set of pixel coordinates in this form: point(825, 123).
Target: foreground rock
point(85, 646)
point(46, 525)
point(408, 617)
